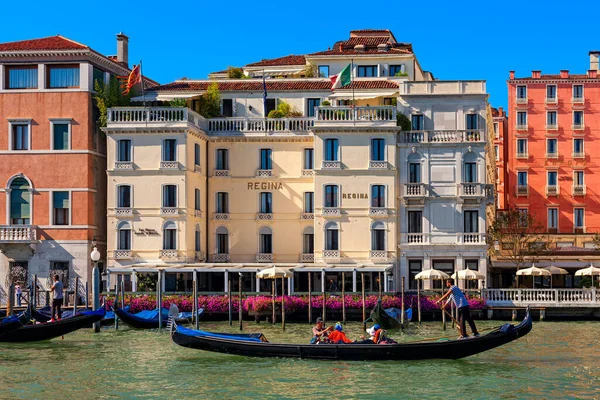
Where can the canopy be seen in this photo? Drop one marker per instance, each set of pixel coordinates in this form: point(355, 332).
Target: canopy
point(589, 271)
point(556, 271)
point(274, 273)
point(432, 274)
point(468, 274)
point(534, 271)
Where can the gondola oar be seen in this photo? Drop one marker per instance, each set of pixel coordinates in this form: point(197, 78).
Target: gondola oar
point(457, 325)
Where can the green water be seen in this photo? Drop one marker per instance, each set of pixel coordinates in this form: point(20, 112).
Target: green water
point(556, 360)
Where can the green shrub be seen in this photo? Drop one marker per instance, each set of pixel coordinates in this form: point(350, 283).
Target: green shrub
point(235, 73)
point(403, 122)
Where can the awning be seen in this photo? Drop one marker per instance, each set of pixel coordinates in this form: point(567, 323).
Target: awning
point(358, 95)
point(251, 267)
point(157, 96)
point(281, 71)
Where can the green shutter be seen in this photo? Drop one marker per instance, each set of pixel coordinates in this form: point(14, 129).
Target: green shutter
point(61, 137)
point(60, 199)
point(19, 203)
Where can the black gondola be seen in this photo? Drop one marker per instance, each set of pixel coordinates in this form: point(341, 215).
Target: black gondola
point(9, 324)
point(50, 330)
point(44, 314)
point(419, 350)
point(151, 321)
point(381, 317)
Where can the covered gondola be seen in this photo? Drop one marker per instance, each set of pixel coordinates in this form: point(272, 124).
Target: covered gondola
point(44, 314)
point(148, 319)
point(50, 330)
point(387, 320)
point(418, 350)
point(14, 322)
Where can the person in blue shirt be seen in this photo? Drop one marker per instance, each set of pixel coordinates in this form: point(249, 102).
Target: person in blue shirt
point(462, 305)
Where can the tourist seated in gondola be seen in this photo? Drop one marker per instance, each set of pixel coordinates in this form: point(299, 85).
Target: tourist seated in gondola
point(338, 336)
point(320, 333)
point(377, 335)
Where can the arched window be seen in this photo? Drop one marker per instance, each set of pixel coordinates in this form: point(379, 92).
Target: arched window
point(265, 240)
point(414, 168)
point(197, 238)
point(124, 235)
point(378, 236)
point(20, 202)
point(170, 236)
point(470, 174)
point(222, 240)
point(377, 196)
point(308, 240)
point(332, 236)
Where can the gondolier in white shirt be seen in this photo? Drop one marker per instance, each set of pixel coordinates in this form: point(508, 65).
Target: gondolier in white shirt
point(462, 305)
point(58, 299)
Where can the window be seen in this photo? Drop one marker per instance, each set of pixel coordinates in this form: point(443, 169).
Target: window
point(378, 149)
point(496, 132)
point(123, 196)
point(222, 240)
point(414, 267)
point(553, 219)
point(521, 147)
point(378, 236)
point(311, 105)
point(551, 118)
point(521, 92)
point(309, 202)
point(63, 76)
point(222, 159)
point(472, 122)
point(414, 172)
point(364, 71)
point(415, 222)
point(22, 77)
point(124, 150)
point(578, 178)
point(197, 199)
point(124, 236)
point(470, 172)
point(331, 150)
point(265, 159)
point(497, 152)
point(222, 202)
point(331, 196)
point(417, 122)
point(169, 150)
point(98, 77)
point(196, 154)
point(522, 178)
point(60, 136)
point(227, 105)
point(471, 221)
point(170, 236)
point(266, 203)
point(523, 214)
point(197, 246)
point(578, 146)
point(60, 268)
point(265, 240)
point(578, 217)
point(308, 242)
point(397, 70)
point(378, 196)
point(20, 202)
point(271, 105)
point(389, 101)
point(522, 118)
point(578, 91)
point(309, 158)
point(551, 146)
point(20, 136)
point(323, 71)
point(60, 208)
point(578, 118)
point(332, 240)
point(552, 178)
point(170, 196)
point(551, 92)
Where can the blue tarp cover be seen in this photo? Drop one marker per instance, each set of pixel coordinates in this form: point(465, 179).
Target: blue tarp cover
point(193, 332)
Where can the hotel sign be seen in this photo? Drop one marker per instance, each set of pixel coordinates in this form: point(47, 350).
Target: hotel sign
point(265, 185)
point(354, 196)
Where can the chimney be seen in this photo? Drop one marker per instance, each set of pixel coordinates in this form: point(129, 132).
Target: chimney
point(564, 74)
point(512, 75)
point(592, 73)
point(359, 47)
point(594, 59)
point(123, 49)
point(501, 111)
point(536, 74)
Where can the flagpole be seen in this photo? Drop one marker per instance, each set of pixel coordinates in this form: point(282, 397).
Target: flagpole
point(142, 82)
point(353, 100)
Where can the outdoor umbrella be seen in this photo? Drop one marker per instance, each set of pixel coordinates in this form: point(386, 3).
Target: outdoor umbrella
point(589, 271)
point(432, 274)
point(534, 271)
point(555, 271)
point(468, 275)
point(275, 273)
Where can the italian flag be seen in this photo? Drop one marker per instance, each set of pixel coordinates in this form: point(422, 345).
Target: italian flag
point(341, 79)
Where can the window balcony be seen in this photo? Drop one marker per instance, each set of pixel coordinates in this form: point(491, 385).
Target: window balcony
point(200, 256)
point(551, 100)
point(552, 155)
point(124, 212)
point(264, 216)
point(308, 172)
point(264, 257)
point(579, 229)
point(551, 127)
point(18, 233)
point(307, 257)
point(415, 238)
point(578, 190)
point(378, 212)
point(522, 100)
point(260, 126)
point(523, 156)
point(552, 190)
point(378, 255)
point(307, 216)
point(122, 255)
point(473, 238)
point(331, 164)
point(522, 190)
point(578, 155)
point(168, 254)
point(198, 168)
point(219, 257)
point(264, 173)
point(378, 164)
point(470, 190)
point(221, 173)
point(444, 136)
point(221, 216)
point(578, 100)
point(414, 190)
point(331, 254)
point(332, 212)
point(522, 127)
point(169, 165)
point(578, 127)
point(198, 213)
point(377, 115)
point(124, 165)
point(169, 211)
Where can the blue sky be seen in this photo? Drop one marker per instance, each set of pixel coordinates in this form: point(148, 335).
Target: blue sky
point(454, 40)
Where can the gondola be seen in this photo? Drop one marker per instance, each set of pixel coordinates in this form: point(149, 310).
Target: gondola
point(149, 319)
point(383, 318)
point(50, 330)
point(418, 350)
point(44, 314)
point(9, 324)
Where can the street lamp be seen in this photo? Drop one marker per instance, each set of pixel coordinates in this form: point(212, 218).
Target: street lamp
point(95, 256)
point(496, 246)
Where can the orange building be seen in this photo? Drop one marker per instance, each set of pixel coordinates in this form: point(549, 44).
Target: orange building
point(500, 121)
point(553, 161)
point(52, 158)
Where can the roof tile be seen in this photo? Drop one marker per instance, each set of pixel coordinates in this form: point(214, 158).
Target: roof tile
point(272, 85)
point(286, 60)
point(48, 43)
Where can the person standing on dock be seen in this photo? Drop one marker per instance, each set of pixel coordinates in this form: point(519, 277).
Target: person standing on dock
point(462, 305)
point(19, 293)
point(58, 299)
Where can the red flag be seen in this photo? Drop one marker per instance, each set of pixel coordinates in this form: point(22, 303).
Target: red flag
point(133, 79)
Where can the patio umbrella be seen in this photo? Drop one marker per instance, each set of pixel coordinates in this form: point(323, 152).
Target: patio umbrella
point(432, 274)
point(589, 271)
point(555, 271)
point(533, 271)
point(468, 274)
point(275, 273)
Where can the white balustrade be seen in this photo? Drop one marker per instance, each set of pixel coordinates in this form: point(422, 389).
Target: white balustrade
point(552, 190)
point(378, 254)
point(221, 216)
point(169, 165)
point(541, 297)
point(331, 254)
point(260, 125)
point(332, 212)
point(264, 257)
point(221, 172)
point(168, 254)
point(331, 164)
point(415, 238)
point(264, 216)
point(219, 257)
point(17, 233)
point(378, 212)
point(307, 216)
point(155, 116)
point(378, 164)
point(264, 173)
point(122, 254)
point(123, 165)
point(414, 190)
point(124, 212)
point(443, 136)
point(169, 211)
point(470, 238)
point(522, 190)
point(356, 114)
point(470, 189)
point(578, 190)
point(307, 258)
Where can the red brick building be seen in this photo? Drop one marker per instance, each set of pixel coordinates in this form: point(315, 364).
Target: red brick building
point(500, 121)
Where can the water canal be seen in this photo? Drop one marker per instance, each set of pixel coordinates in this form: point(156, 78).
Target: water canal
point(556, 360)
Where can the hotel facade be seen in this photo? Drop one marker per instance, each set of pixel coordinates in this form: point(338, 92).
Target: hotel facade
point(335, 191)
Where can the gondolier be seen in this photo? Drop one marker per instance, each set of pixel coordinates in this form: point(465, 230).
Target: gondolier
point(57, 299)
point(462, 305)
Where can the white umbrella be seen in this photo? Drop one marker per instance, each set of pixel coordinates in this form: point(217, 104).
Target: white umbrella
point(432, 274)
point(555, 271)
point(589, 271)
point(274, 273)
point(468, 274)
point(533, 271)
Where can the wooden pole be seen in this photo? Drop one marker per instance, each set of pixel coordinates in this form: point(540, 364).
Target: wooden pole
point(96, 293)
point(310, 297)
point(283, 303)
point(443, 318)
point(196, 317)
point(402, 299)
point(364, 301)
point(419, 300)
point(75, 295)
point(273, 300)
point(240, 300)
point(123, 292)
point(324, 305)
point(379, 284)
point(343, 297)
point(34, 290)
point(230, 302)
point(11, 297)
point(116, 301)
point(159, 299)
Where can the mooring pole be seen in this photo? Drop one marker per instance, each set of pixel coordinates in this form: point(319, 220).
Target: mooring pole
point(159, 299)
point(34, 291)
point(96, 294)
point(379, 284)
point(75, 295)
point(283, 303)
point(116, 300)
point(196, 318)
point(402, 315)
point(230, 302)
point(419, 299)
point(343, 297)
point(11, 299)
point(364, 301)
point(310, 298)
point(273, 288)
point(240, 299)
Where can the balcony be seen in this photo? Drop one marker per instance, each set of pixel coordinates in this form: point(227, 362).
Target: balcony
point(522, 190)
point(371, 116)
point(307, 258)
point(414, 190)
point(378, 164)
point(331, 254)
point(473, 238)
point(378, 255)
point(307, 216)
point(552, 155)
point(264, 173)
point(444, 136)
point(578, 154)
point(332, 212)
point(171, 117)
point(522, 127)
point(552, 100)
point(578, 190)
point(470, 190)
point(169, 165)
point(221, 173)
point(200, 256)
point(552, 190)
point(221, 216)
point(264, 257)
point(124, 165)
point(198, 213)
point(264, 216)
point(169, 211)
point(522, 100)
point(124, 212)
point(378, 212)
point(219, 257)
point(260, 126)
point(331, 164)
point(578, 100)
point(551, 127)
point(522, 155)
point(308, 172)
point(122, 255)
point(415, 238)
point(578, 127)
point(168, 254)
point(18, 233)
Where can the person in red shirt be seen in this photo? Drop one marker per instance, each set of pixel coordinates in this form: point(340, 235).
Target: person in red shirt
point(338, 336)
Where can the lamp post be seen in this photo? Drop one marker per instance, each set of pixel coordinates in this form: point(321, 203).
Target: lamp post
point(95, 256)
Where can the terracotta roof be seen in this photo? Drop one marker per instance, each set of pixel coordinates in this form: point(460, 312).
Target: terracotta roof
point(370, 43)
point(376, 84)
point(370, 31)
point(286, 60)
point(247, 85)
point(556, 77)
point(48, 43)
